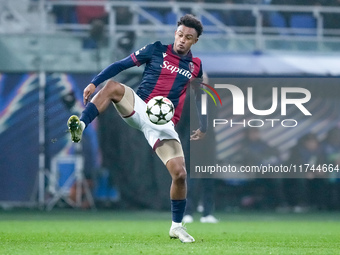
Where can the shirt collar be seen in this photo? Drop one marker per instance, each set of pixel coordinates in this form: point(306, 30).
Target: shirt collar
point(187, 56)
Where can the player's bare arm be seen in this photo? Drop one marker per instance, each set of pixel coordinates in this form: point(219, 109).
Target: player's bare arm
point(197, 135)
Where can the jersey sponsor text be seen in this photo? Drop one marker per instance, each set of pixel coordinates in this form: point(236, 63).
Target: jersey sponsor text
point(175, 69)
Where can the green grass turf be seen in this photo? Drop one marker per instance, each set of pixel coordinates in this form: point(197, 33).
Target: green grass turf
point(112, 232)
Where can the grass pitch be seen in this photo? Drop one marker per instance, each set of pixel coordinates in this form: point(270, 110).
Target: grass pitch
point(112, 232)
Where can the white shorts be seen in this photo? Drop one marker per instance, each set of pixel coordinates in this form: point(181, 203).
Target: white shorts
point(152, 132)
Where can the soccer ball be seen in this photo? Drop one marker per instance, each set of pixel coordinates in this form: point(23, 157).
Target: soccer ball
point(160, 110)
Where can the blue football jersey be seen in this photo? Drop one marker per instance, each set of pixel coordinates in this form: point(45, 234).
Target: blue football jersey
point(166, 74)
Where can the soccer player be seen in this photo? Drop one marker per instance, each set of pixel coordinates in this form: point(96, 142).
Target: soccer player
point(168, 71)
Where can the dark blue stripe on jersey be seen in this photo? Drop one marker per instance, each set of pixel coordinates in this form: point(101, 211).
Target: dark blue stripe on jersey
point(180, 79)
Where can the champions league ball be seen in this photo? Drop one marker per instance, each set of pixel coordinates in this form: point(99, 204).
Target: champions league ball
point(160, 110)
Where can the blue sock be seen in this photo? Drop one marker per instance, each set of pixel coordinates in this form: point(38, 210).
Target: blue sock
point(89, 114)
point(177, 209)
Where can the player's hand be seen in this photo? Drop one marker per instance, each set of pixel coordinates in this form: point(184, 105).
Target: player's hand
point(197, 135)
point(88, 91)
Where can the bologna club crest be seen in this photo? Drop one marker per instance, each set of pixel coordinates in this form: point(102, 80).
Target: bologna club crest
point(191, 67)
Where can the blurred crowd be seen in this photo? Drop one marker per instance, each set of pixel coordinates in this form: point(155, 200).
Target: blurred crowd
point(86, 14)
point(312, 190)
point(97, 17)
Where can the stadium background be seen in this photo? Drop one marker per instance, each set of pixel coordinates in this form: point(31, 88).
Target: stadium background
point(51, 49)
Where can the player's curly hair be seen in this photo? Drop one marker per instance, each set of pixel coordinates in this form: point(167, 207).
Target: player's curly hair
point(190, 20)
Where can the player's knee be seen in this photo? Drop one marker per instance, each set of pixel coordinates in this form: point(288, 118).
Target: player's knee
point(114, 90)
point(179, 174)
